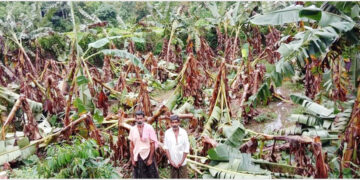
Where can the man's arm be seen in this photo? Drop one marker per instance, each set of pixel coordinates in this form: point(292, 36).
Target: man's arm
point(132, 153)
point(183, 158)
point(166, 147)
point(186, 151)
point(152, 150)
point(168, 155)
point(169, 158)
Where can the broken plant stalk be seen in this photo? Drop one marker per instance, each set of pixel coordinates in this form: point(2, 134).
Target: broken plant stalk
point(112, 91)
point(42, 89)
point(73, 72)
point(10, 117)
point(352, 134)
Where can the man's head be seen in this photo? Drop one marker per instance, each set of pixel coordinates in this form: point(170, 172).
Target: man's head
point(175, 122)
point(139, 117)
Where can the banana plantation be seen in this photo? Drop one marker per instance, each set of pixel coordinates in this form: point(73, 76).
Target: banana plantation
point(263, 89)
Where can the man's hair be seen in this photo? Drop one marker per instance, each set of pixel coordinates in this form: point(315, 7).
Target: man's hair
point(140, 113)
point(174, 118)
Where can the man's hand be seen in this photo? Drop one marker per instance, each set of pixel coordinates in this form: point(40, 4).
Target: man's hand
point(133, 163)
point(149, 162)
point(173, 164)
point(179, 165)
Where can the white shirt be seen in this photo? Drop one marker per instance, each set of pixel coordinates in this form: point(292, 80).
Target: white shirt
point(177, 149)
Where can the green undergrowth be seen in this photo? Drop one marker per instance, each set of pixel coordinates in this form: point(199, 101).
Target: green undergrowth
point(265, 117)
point(80, 159)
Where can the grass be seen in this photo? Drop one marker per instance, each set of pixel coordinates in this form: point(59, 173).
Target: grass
point(294, 87)
point(164, 172)
point(265, 116)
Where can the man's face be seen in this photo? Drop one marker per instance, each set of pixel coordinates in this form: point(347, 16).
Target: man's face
point(175, 124)
point(140, 120)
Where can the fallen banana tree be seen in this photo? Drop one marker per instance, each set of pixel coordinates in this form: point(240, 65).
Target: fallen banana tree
point(235, 161)
point(30, 128)
point(23, 150)
point(220, 111)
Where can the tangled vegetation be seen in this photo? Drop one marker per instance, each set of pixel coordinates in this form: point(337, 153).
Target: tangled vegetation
point(264, 89)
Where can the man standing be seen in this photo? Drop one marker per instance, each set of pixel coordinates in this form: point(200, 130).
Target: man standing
point(143, 142)
point(176, 144)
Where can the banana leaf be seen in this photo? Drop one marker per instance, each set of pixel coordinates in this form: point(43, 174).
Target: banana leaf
point(10, 152)
point(316, 132)
point(11, 97)
point(169, 84)
point(171, 102)
point(102, 42)
point(276, 167)
point(299, 98)
point(2, 108)
point(235, 134)
point(292, 130)
point(126, 55)
point(214, 118)
point(327, 124)
point(282, 69)
point(262, 95)
point(342, 119)
point(223, 152)
point(185, 108)
point(293, 14)
point(287, 15)
point(312, 107)
point(228, 171)
point(241, 167)
point(304, 119)
point(326, 18)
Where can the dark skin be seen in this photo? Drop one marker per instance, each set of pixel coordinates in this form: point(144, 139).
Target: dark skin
point(176, 132)
point(140, 120)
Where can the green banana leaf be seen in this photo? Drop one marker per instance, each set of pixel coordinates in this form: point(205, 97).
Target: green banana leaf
point(262, 95)
point(11, 97)
point(171, 102)
point(223, 152)
point(230, 171)
point(185, 108)
point(214, 118)
point(126, 55)
point(287, 15)
point(9, 152)
point(102, 42)
point(316, 132)
point(294, 14)
point(304, 119)
point(312, 107)
point(239, 166)
point(342, 118)
point(234, 134)
point(292, 130)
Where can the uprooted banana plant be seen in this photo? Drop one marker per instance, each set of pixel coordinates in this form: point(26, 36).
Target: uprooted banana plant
point(219, 111)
